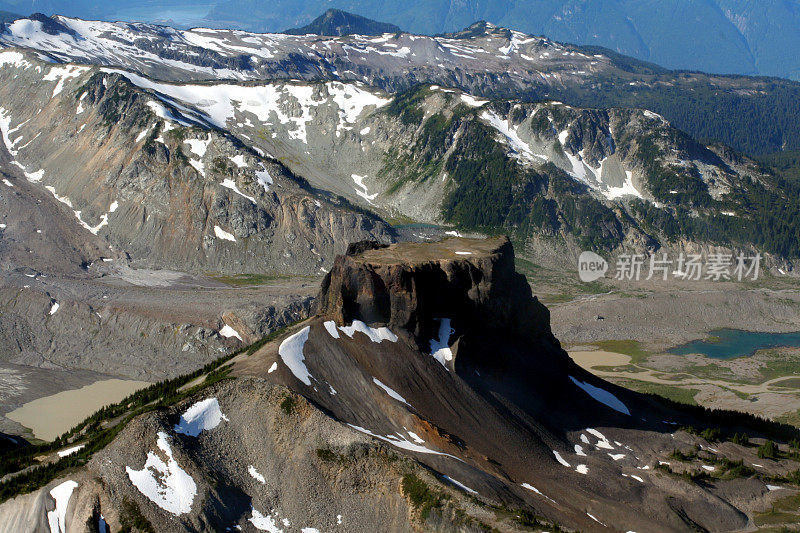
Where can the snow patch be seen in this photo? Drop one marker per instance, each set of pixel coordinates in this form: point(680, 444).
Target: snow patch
point(70, 451)
point(202, 416)
point(228, 332)
point(602, 440)
point(602, 396)
point(164, 482)
point(391, 392)
point(402, 443)
point(375, 334)
point(61, 74)
point(291, 352)
point(255, 475)
point(472, 101)
point(222, 234)
point(440, 348)
point(263, 178)
point(537, 491)
point(263, 523)
point(364, 193)
point(57, 518)
point(512, 137)
point(561, 459)
point(238, 160)
point(460, 485)
point(330, 325)
point(230, 184)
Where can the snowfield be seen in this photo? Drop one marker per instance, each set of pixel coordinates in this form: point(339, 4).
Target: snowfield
point(440, 347)
point(602, 396)
point(228, 332)
point(269, 103)
point(291, 352)
point(164, 482)
point(201, 416)
point(224, 235)
point(57, 518)
point(375, 334)
point(390, 391)
point(402, 443)
point(255, 475)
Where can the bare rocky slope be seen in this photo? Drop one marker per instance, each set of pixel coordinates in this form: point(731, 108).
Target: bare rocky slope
point(596, 179)
point(119, 218)
point(427, 392)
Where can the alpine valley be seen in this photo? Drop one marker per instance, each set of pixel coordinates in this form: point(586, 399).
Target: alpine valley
point(294, 244)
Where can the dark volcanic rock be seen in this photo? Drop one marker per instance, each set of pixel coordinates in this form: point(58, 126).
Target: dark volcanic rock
point(410, 287)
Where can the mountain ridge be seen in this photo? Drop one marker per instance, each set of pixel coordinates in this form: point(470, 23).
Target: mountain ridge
point(754, 115)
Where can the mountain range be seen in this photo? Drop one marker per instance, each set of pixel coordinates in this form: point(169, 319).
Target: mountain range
point(307, 244)
point(719, 36)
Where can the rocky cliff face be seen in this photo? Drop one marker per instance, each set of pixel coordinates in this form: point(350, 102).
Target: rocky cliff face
point(410, 289)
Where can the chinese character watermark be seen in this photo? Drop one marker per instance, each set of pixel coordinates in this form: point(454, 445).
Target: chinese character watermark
point(685, 267)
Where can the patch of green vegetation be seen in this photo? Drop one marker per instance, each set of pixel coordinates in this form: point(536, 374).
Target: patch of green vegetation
point(574, 291)
point(778, 365)
point(628, 347)
point(422, 497)
point(784, 511)
point(131, 519)
point(221, 166)
point(522, 517)
point(695, 476)
point(288, 404)
point(791, 383)
point(792, 419)
point(329, 456)
point(768, 450)
point(98, 430)
point(177, 135)
point(632, 369)
point(726, 418)
point(246, 280)
point(676, 394)
point(741, 439)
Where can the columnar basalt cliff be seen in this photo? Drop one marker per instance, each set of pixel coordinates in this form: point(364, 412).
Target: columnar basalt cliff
point(410, 288)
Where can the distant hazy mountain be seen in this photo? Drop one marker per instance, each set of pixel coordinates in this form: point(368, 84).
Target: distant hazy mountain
point(7, 16)
point(336, 22)
point(723, 36)
point(720, 36)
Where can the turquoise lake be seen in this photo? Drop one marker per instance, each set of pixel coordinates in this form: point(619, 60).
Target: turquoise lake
point(732, 343)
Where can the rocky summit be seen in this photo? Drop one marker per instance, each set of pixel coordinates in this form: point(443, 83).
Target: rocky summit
point(426, 392)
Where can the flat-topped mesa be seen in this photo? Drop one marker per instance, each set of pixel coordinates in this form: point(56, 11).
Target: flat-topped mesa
point(411, 287)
